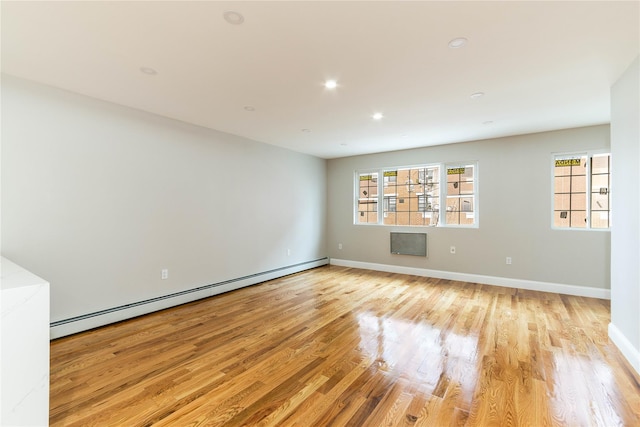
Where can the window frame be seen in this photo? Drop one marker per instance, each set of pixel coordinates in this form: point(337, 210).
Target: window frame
point(589, 154)
point(441, 195)
point(356, 190)
point(474, 195)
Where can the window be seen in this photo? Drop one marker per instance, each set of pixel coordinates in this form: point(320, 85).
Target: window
point(368, 198)
point(461, 195)
point(581, 191)
point(411, 196)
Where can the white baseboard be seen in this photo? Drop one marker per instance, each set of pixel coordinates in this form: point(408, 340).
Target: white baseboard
point(559, 288)
point(626, 348)
point(85, 322)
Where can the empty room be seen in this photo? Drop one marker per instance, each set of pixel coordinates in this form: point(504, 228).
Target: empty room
point(320, 213)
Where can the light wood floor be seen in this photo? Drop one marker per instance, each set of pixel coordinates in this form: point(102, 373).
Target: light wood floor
point(338, 346)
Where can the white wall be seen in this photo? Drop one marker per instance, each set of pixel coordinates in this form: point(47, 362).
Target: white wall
point(98, 198)
point(24, 383)
point(625, 235)
point(514, 216)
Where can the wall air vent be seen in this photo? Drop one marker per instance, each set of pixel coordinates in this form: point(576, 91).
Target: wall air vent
point(409, 244)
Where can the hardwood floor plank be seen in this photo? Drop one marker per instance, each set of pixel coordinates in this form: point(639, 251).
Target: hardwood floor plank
point(341, 346)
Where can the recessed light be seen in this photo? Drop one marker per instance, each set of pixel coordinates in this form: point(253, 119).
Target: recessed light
point(344, 144)
point(233, 17)
point(330, 84)
point(306, 130)
point(457, 42)
point(488, 122)
point(249, 108)
point(477, 95)
point(377, 116)
point(148, 70)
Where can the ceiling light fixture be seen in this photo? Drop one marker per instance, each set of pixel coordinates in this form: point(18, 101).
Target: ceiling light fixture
point(477, 95)
point(488, 122)
point(377, 116)
point(457, 43)
point(306, 130)
point(249, 108)
point(149, 71)
point(233, 17)
point(330, 84)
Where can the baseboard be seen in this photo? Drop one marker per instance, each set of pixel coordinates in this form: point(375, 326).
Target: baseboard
point(88, 321)
point(626, 348)
point(559, 288)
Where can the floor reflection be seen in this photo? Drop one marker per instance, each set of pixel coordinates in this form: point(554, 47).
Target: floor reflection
point(431, 359)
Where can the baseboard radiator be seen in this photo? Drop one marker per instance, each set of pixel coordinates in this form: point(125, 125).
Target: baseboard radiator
point(96, 319)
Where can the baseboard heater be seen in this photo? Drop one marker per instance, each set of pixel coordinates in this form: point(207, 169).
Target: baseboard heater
point(409, 244)
point(96, 319)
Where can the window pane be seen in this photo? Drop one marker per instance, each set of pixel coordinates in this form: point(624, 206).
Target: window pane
point(562, 184)
point(453, 218)
point(416, 218)
point(466, 188)
point(600, 183)
point(599, 202)
point(579, 184)
point(389, 218)
point(561, 219)
point(460, 182)
point(562, 170)
point(466, 204)
point(367, 198)
point(580, 169)
point(402, 218)
point(365, 217)
point(562, 202)
point(578, 219)
point(578, 201)
point(453, 188)
point(402, 204)
point(600, 219)
point(453, 204)
point(408, 192)
point(430, 218)
point(467, 218)
point(600, 164)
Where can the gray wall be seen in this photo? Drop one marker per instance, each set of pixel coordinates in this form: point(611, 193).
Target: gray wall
point(625, 235)
point(98, 198)
point(514, 213)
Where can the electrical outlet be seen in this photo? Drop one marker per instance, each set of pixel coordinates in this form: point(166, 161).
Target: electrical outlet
point(340, 246)
point(452, 249)
point(164, 274)
point(508, 260)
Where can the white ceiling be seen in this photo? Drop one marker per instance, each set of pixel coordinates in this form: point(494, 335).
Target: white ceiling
point(541, 65)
